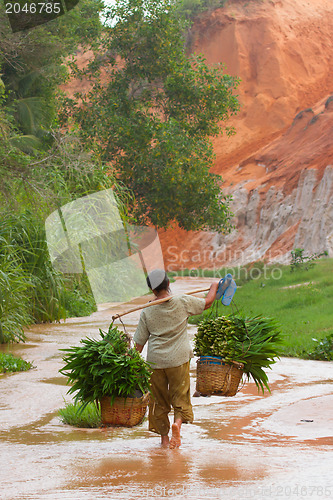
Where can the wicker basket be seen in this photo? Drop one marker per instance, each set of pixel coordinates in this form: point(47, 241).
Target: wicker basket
point(125, 412)
point(214, 376)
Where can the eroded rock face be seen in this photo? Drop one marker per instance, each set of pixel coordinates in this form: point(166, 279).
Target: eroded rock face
point(272, 225)
point(267, 227)
point(283, 200)
point(282, 52)
point(315, 232)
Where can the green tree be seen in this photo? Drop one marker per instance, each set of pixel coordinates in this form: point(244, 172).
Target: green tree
point(300, 261)
point(151, 112)
point(35, 159)
point(33, 67)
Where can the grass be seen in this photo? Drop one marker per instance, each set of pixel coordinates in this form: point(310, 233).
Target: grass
point(89, 417)
point(31, 290)
point(77, 297)
point(10, 363)
point(304, 312)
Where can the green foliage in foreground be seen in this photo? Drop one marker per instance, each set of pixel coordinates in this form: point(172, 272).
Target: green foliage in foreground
point(23, 239)
point(10, 363)
point(32, 67)
point(41, 168)
point(253, 341)
point(14, 302)
point(77, 297)
point(77, 416)
point(105, 367)
point(301, 301)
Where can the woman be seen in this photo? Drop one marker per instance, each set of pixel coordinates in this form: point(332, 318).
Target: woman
point(164, 327)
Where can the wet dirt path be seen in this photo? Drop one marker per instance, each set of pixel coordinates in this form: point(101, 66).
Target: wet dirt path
point(279, 445)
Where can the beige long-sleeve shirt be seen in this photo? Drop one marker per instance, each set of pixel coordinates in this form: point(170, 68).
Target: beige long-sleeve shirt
point(164, 327)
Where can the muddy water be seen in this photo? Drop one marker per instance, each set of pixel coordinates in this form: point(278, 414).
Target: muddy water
point(279, 445)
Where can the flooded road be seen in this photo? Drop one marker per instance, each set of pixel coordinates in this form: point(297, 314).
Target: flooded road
point(279, 445)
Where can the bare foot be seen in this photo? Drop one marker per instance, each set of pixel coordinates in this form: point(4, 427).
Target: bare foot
point(175, 441)
point(165, 441)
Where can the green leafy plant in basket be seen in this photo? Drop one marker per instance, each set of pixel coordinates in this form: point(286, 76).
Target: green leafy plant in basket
point(105, 367)
point(253, 341)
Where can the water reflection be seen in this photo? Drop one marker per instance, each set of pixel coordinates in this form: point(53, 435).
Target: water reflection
point(157, 470)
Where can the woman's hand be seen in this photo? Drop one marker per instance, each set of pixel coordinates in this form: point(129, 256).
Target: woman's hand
point(211, 294)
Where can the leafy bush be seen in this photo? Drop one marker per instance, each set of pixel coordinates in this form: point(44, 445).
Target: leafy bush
point(14, 302)
point(253, 341)
point(10, 363)
point(24, 234)
point(323, 349)
point(88, 417)
point(31, 290)
point(300, 261)
point(105, 367)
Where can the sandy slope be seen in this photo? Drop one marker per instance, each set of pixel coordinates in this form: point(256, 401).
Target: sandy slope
point(275, 164)
point(283, 53)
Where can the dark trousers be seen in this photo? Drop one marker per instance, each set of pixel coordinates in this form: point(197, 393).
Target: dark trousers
point(170, 387)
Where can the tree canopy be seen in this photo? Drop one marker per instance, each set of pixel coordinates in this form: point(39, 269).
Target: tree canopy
point(32, 68)
point(151, 111)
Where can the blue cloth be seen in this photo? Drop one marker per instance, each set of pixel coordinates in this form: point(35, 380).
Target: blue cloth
point(226, 290)
point(223, 285)
point(229, 293)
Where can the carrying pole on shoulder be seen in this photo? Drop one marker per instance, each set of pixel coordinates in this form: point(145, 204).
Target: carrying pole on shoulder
point(155, 302)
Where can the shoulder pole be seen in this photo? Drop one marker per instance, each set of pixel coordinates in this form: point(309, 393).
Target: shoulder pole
point(155, 302)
